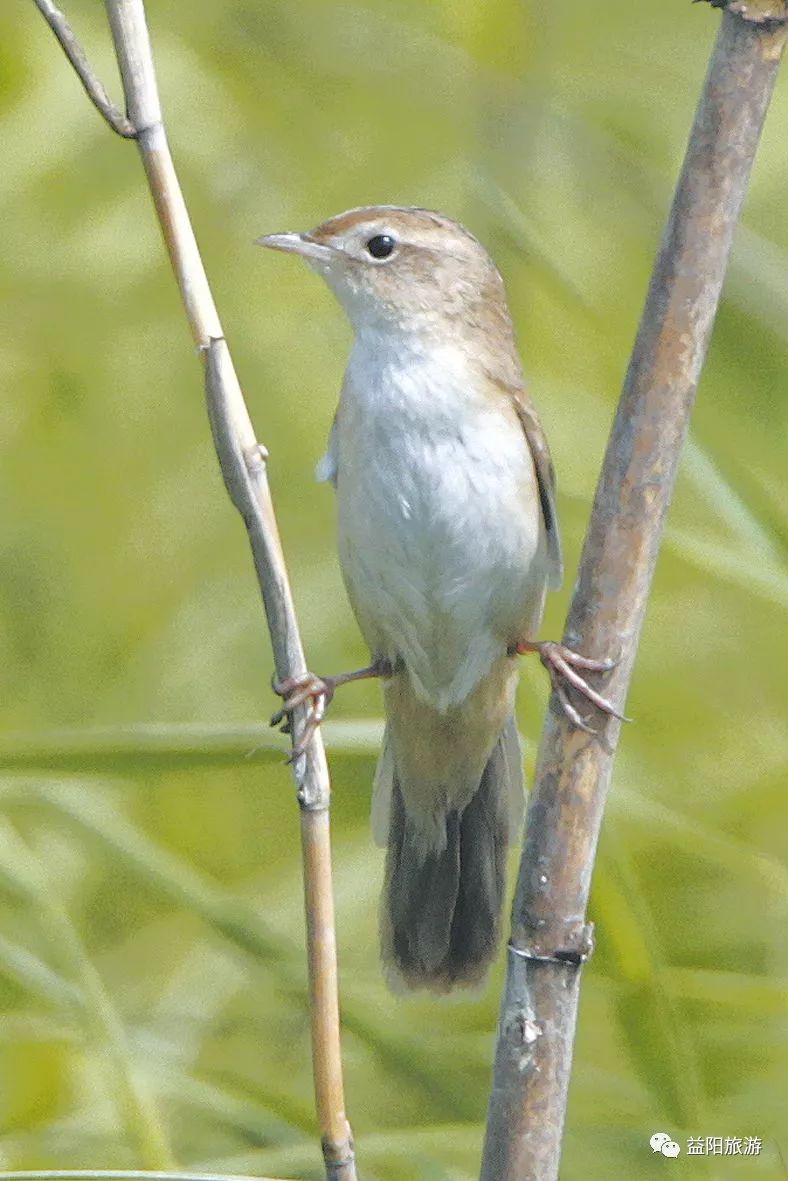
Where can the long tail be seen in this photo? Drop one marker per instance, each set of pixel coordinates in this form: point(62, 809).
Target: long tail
point(442, 900)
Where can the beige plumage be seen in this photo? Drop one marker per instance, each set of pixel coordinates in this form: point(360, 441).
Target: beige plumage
point(448, 542)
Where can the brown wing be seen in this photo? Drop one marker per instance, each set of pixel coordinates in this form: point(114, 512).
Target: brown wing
point(545, 478)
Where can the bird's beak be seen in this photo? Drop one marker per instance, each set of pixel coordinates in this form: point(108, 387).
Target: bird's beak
point(298, 244)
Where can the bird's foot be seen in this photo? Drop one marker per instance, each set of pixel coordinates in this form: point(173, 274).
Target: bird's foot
point(562, 665)
point(318, 691)
point(295, 691)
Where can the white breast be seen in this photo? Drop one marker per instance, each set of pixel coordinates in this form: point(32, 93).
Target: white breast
point(440, 534)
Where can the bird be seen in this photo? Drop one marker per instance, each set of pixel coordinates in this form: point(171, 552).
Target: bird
point(448, 543)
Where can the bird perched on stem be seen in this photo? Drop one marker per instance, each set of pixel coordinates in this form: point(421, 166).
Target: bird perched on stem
point(448, 543)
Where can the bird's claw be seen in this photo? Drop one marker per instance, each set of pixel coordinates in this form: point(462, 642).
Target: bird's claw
point(562, 664)
point(296, 691)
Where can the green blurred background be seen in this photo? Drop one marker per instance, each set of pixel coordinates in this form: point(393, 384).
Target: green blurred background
point(151, 962)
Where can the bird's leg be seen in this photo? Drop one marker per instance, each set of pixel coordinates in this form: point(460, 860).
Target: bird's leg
point(319, 691)
point(562, 664)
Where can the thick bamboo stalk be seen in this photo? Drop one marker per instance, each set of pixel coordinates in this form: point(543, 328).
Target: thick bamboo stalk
point(550, 935)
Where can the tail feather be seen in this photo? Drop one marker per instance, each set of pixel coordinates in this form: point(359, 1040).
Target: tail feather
point(442, 906)
point(422, 889)
point(484, 839)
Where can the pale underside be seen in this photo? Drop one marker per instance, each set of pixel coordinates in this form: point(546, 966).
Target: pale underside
point(441, 538)
point(444, 553)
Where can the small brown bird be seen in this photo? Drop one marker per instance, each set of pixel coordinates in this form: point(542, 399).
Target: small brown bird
point(448, 543)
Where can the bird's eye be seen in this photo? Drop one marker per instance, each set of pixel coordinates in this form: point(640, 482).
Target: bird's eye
point(381, 245)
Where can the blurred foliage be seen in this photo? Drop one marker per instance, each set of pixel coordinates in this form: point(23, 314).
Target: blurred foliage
point(151, 963)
